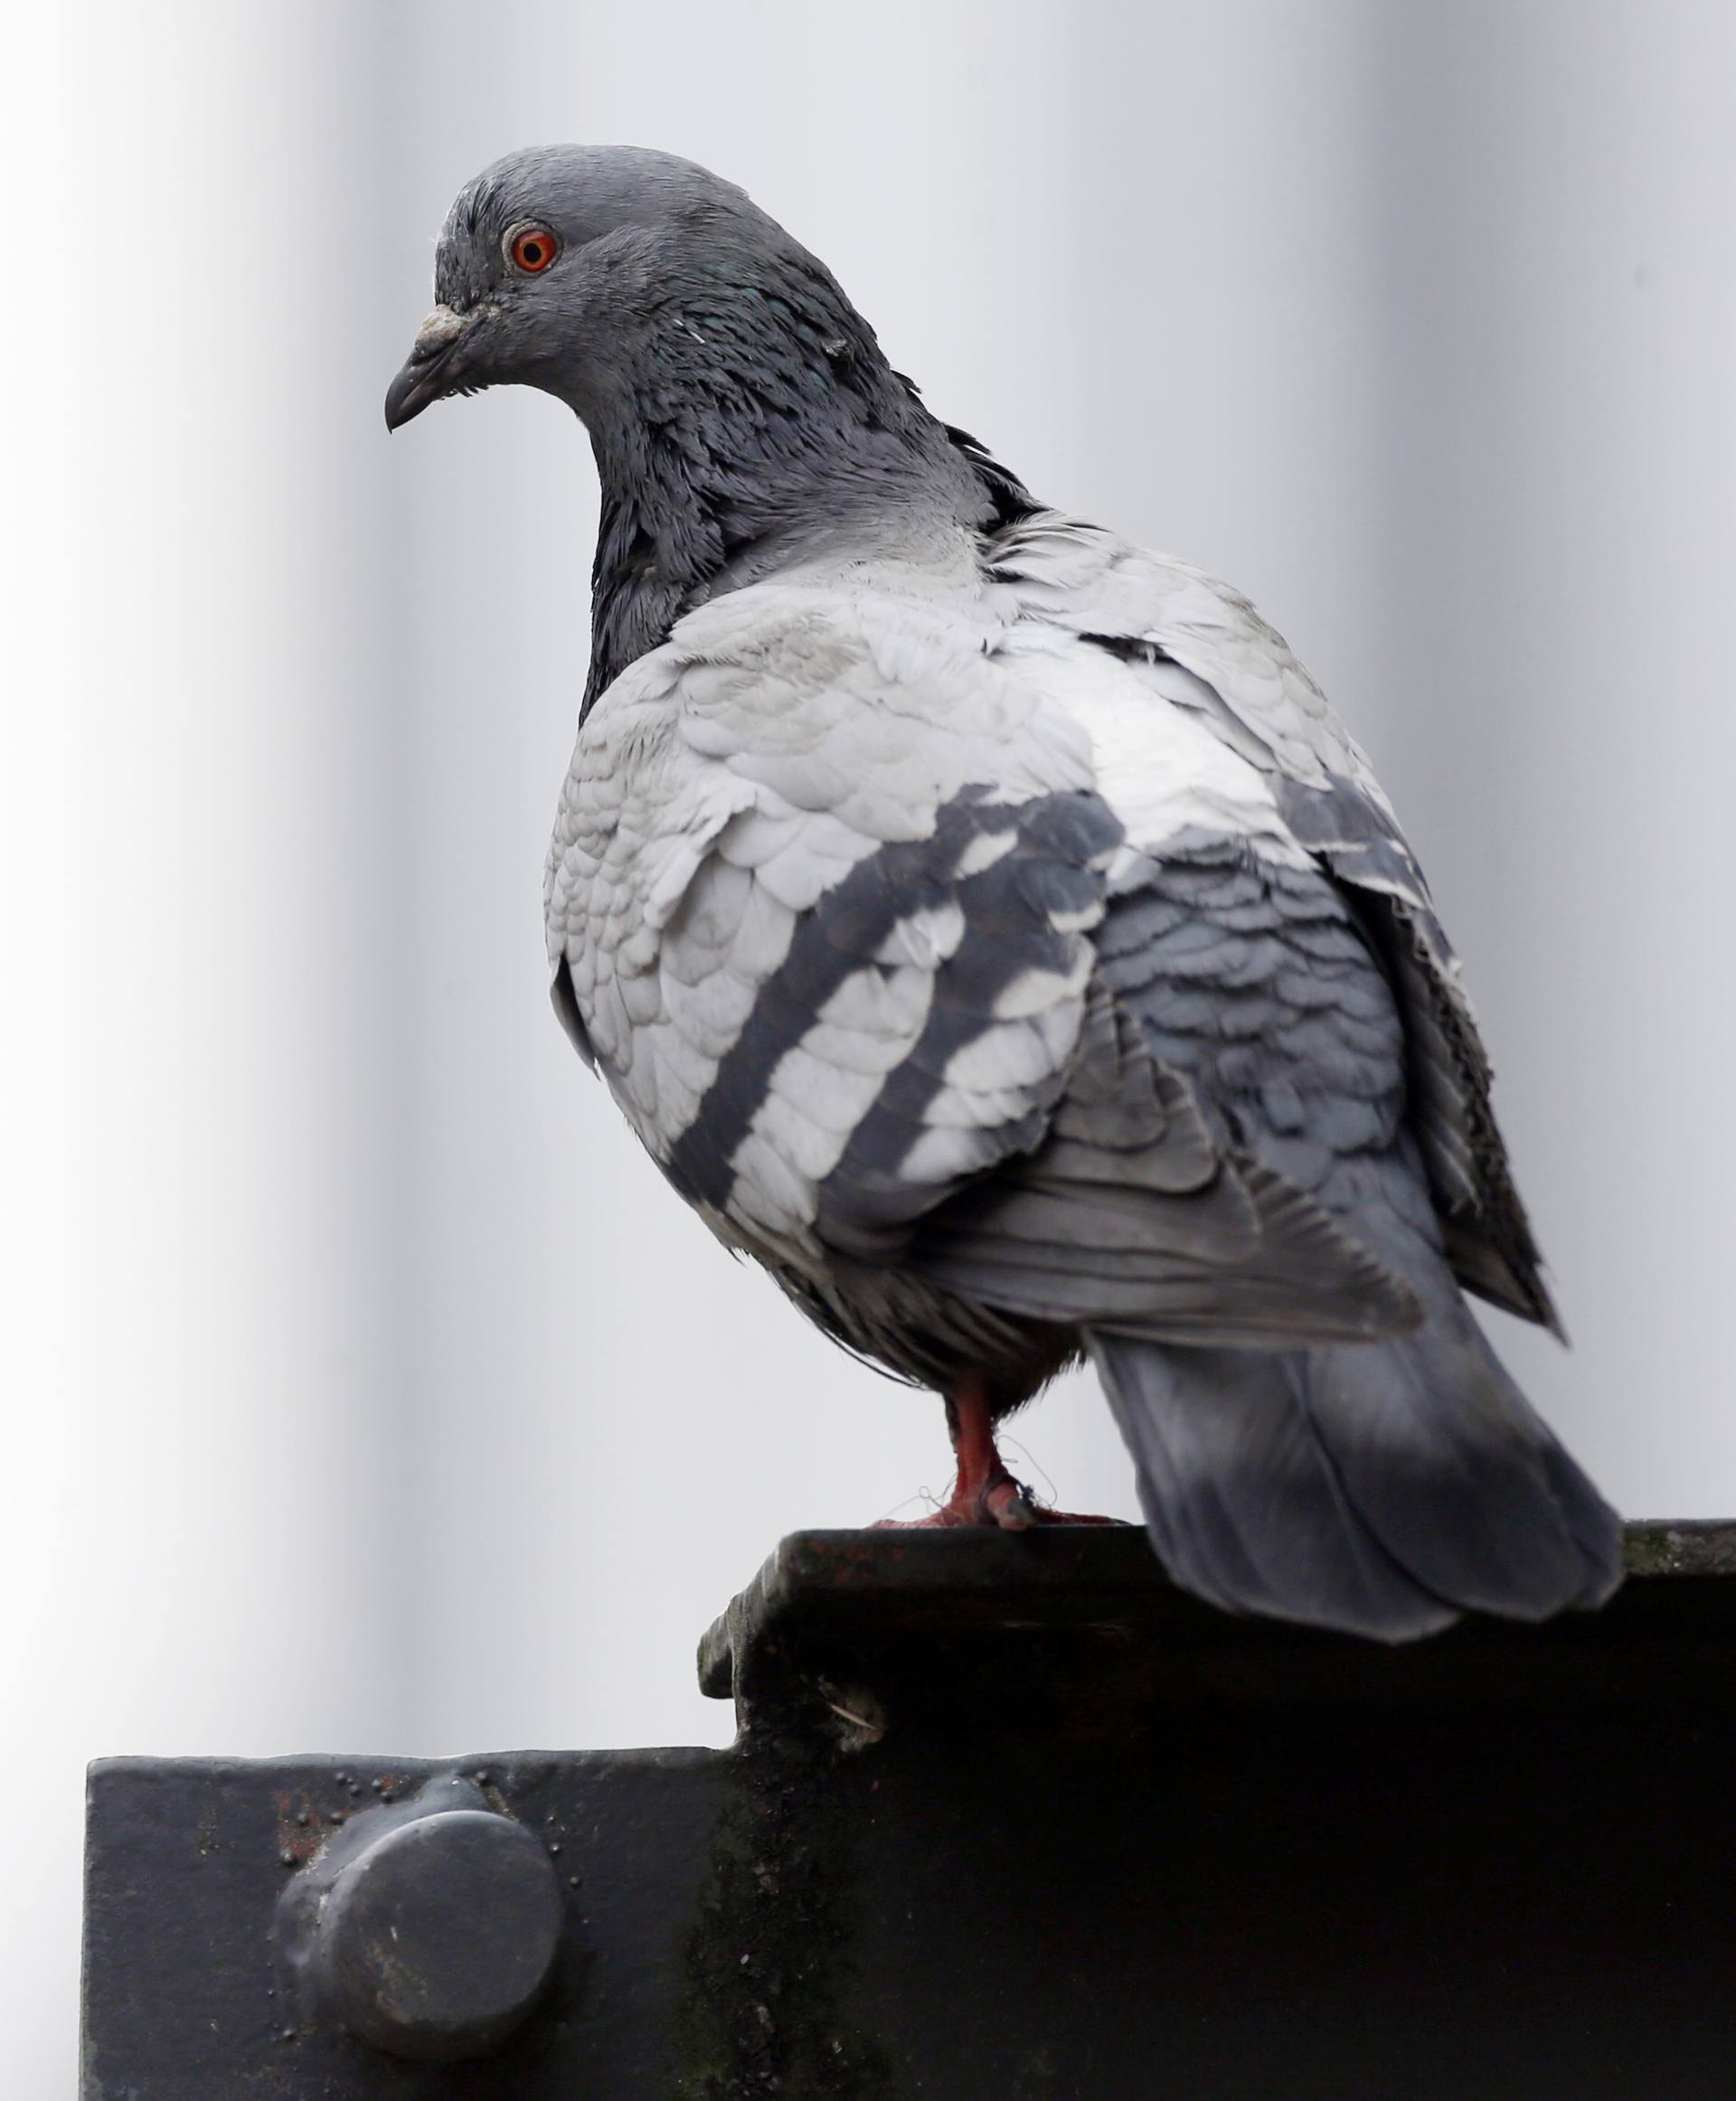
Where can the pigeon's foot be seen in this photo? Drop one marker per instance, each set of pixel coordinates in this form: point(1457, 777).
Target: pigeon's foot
point(984, 1492)
point(1003, 1502)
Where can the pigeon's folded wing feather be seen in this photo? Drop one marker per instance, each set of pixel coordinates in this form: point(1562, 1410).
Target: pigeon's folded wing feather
point(1129, 1217)
point(819, 901)
point(1202, 646)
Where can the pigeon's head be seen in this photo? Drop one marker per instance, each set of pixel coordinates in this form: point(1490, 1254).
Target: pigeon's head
point(741, 411)
point(565, 267)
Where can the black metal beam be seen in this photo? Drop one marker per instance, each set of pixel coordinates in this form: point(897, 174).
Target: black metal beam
point(1007, 1816)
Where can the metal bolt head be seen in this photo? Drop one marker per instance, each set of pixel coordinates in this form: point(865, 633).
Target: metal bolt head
point(436, 1940)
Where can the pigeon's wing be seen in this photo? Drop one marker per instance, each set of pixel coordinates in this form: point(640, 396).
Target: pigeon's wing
point(1201, 647)
point(821, 901)
point(819, 907)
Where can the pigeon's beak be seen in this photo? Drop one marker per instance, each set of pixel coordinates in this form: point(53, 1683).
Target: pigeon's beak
point(432, 367)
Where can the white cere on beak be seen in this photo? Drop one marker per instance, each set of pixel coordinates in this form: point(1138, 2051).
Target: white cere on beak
point(442, 327)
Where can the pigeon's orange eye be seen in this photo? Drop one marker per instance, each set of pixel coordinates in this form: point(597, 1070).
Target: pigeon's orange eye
point(532, 248)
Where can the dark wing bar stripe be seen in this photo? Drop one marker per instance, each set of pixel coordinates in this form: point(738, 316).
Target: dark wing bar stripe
point(1022, 913)
point(842, 934)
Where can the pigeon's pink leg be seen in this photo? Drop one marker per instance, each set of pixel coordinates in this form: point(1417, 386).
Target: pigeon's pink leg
point(984, 1492)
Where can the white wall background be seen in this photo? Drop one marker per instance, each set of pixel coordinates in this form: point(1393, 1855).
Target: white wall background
point(362, 1386)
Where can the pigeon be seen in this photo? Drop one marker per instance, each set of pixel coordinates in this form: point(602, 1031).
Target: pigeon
point(987, 926)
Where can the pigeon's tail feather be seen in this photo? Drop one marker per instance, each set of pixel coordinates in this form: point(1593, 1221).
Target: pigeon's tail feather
point(1243, 1503)
point(1380, 1487)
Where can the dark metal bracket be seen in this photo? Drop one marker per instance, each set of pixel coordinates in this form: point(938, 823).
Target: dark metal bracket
point(1008, 1816)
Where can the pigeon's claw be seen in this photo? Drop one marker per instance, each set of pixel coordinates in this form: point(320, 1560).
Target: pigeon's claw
point(1009, 1505)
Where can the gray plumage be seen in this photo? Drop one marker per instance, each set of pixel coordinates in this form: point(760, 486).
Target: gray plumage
point(986, 925)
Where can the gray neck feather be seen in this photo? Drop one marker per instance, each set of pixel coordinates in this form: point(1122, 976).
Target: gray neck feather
point(751, 422)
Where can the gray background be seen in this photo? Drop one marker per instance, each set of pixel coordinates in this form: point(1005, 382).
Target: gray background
point(364, 1386)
